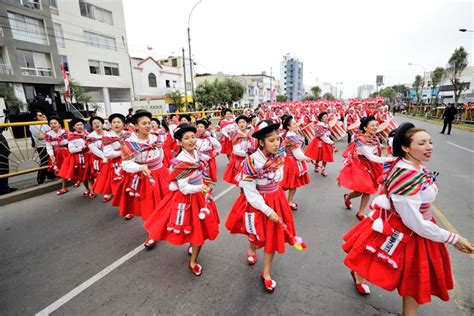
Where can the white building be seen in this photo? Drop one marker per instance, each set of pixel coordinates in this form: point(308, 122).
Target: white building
point(92, 45)
point(326, 87)
point(364, 91)
point(291, 77)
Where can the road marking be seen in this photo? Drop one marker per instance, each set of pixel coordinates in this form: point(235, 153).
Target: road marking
point(82, 287)
point(456, 145)
point(446, 222)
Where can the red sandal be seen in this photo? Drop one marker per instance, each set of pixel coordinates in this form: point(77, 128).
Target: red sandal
point(196, 270)
point(251, 259)
point(128, 217)
point(348, 204)
point(62, 191)
point(149, 243)
point(85, 194)
point(92, 195)
point(269, 285)
point(324, 173)
point(107, 198)
point(361, 216)
point(77, 184)
point(294, 206)
point(362, 288)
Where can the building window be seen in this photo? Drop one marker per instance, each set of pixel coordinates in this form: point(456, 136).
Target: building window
point(111, 69)
point(94, 67)
point(167, 84)
point(96, 13)
point(58, 32)
point(27, 29)
point(99, 41)
point(35, 63)
point(32, 4)
point(64, 62)
point(53, 4)
point(174, 83)
point(152, 80)
point(174, 62)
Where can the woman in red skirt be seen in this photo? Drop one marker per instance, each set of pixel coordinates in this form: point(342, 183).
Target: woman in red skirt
point(242, 145)
point(187, 214)
point(400, 246)
point(56, 147)
point(208, 147)
point(295, 172)
point(144, 183)
point(108, 180)
point(227, 127)
point(162, 133)
point(77, 165)
point(321, 147)
point(363, 165)
point(94, 142)
point(263, 204)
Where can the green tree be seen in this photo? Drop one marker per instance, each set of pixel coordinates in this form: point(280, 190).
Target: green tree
point(328, 96)
point(373, 95)
point(11, 101)
point(456, 64)
point(78, 93)
point(418, 85)
point(236, 89)
point(401, 89)
point(309, 97)
point(388, 93)
point(175, 97)
point(205, 94)
point(436, 77)
point(316, 91)
point(281, 98)
point(222, 92)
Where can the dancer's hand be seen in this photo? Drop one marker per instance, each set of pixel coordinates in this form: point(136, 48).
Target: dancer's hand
point(146, 171)
point(273, 217)
point(464, 245)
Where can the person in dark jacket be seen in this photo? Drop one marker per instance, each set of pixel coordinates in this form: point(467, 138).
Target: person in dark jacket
point(4, 164)
point(448, 116)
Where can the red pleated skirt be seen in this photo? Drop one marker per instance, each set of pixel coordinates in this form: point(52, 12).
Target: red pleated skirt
point(109, 178)
point(96, 165)
point(227, 146)
point(423, 266)
point(60, 155)
point(176, 219)
point(292, 177)
point(360, 175)
point(320, 151)
point(267, 234)
point(138, 196)
point(76, 167)
point(212, 169)
point(233, 168)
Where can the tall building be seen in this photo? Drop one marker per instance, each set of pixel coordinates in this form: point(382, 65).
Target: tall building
point(87, 37)
point(291, 78)
point(364, 91)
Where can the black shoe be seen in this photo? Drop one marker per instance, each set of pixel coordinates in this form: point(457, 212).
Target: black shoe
point(441, 133)
point(9, 190)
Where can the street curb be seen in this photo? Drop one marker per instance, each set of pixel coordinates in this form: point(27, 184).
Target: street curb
point(435, 123)
point(37, 190)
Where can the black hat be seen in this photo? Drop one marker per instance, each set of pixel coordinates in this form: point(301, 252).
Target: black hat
point(320, 115)
point(265, 127)
point(154, 119)
point(181, 129)
point(57, 118)
point(96, 118)
point(140, 113)
point(242, 117)
point(114, 115)
point(76, 120)
point(224, 111)
point(203, 122)
point(397, 139)
point(164, 124)
point(186, 116)
point(285, 121)
point(365, 121)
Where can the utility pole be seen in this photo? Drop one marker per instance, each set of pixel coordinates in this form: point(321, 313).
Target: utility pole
point(271, 83)
point(185, 88)
point(190, 55)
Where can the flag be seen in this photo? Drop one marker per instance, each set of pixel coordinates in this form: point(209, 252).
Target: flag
point(66, 83)
point(149, 48)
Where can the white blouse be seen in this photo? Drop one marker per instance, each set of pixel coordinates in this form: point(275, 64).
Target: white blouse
point(297, 152)
point(76, 145)
point(327, 135)
point(192, 183)
point(408, 207)
point(228, 129)
point(138, 162)
point(208, 146)
point(242, 147)
point(250, 187)
point(370, 152)
point(112, 150)
point(50, 145)
point(96, 145)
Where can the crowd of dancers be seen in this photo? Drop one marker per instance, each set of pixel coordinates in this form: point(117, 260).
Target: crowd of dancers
point(164, 170)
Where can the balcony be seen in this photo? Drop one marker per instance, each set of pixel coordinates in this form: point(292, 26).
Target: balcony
point(5, 69)
point(38, 72)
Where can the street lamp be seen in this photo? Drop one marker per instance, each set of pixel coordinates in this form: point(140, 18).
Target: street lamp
point(465, 30)
point(190, 55)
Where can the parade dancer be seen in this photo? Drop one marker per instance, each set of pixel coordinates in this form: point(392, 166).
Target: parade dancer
point(242, 145)
point(77, 165)
point(144, 183)
point(108, 180)
point(187, 214)
point(400, 246)
point(226, 125)
point(351, 118)
point(94, 142)
point(208, 147)
point(295, 171)
point(56, 147)
point(321, 147)
point(363, 165)
point(261, 211)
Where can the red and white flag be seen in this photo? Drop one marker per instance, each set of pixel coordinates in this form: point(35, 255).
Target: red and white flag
point(66, 82)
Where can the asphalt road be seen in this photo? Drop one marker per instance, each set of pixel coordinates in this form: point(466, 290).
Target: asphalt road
point(50, 245)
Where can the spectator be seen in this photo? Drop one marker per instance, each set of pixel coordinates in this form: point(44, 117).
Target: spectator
point(4, 165)
point(130, 114)
point(48, 100)
point(38, 136)
point(448, 116)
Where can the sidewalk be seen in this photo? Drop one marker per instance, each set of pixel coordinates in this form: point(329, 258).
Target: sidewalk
point(464, 127)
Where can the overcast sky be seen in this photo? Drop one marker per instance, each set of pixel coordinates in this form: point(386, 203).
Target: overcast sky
point(338, 41)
